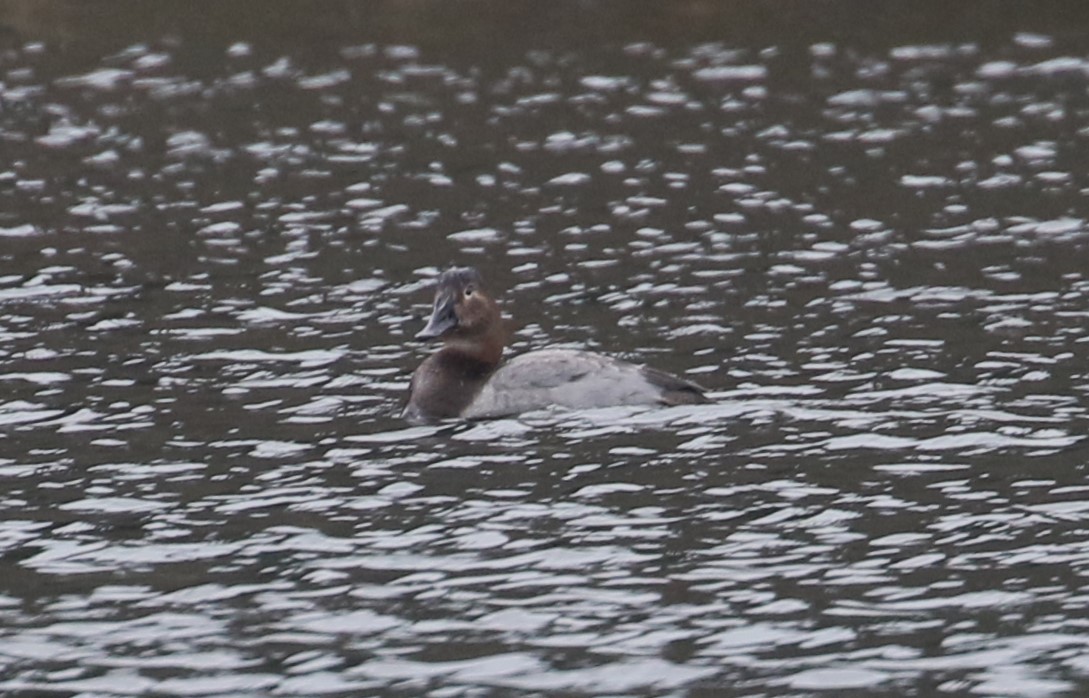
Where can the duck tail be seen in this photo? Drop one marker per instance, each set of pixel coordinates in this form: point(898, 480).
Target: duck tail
point(675, 390)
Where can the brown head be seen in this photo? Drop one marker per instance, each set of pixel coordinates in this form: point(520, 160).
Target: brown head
point(465, 317)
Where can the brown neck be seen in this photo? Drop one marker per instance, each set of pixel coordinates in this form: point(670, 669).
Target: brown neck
point(486, 348)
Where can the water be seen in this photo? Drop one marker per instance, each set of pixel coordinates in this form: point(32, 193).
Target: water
point(215, 244)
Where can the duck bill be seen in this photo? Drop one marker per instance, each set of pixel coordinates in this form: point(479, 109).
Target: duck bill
point(442, 319)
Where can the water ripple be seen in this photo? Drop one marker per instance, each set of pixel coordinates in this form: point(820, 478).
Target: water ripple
point(214, 260)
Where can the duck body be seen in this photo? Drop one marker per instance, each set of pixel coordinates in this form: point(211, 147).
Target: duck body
point(464, 379)
point(576, 380)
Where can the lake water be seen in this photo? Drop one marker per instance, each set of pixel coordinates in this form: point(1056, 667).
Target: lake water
point(864, 231)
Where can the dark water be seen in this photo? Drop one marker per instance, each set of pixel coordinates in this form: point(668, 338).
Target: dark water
point(864, 232)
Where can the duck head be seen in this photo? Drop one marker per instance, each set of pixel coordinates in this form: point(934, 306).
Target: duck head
point(463, 310)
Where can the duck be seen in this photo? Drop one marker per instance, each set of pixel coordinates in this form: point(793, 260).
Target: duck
point(466, 379)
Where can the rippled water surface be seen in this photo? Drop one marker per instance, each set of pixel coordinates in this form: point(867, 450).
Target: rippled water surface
point(216, 240)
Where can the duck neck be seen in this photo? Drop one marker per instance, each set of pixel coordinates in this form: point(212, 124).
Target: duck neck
point(486, 350)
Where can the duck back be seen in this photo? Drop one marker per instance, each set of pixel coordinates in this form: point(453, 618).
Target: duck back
point(576, 380)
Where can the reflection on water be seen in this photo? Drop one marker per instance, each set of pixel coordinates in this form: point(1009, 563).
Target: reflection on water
point(212, 259)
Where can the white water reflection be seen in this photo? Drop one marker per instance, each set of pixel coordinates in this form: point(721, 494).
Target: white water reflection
point(874, 257)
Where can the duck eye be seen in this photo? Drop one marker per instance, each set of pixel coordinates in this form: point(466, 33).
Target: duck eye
point(469, 291)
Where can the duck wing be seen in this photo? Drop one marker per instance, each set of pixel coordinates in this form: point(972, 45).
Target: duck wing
point(576, 380)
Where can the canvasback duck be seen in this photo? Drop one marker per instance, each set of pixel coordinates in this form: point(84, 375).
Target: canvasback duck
point(464, 379)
